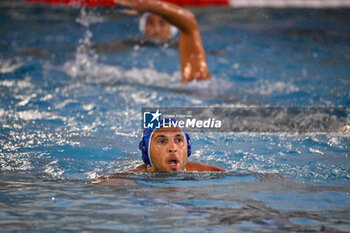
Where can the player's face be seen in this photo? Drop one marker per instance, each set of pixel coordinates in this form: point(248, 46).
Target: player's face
point(157, 28)
point(168, 150)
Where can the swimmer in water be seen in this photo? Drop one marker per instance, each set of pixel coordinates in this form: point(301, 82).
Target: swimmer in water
point(166, 150)
point(163, 150)
point(160, 22)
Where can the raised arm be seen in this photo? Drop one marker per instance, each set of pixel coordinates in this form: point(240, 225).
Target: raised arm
point(192, 54)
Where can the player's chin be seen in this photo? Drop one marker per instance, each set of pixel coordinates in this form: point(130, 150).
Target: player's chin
point(176, 168)
point(173, 168)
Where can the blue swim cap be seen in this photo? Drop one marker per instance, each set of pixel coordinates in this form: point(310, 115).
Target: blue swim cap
point(145, 142)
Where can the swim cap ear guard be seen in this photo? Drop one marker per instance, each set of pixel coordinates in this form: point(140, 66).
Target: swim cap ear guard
point(144, 145)
point(142, 26)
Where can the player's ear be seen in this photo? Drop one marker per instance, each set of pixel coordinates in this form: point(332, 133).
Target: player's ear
point(150, 169)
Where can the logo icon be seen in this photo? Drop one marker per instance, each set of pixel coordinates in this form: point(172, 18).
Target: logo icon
point(151, 120)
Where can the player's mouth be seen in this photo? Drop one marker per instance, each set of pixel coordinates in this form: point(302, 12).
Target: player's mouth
point(173, 162)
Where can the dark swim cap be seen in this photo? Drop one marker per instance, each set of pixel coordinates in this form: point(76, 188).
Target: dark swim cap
point(145, 142)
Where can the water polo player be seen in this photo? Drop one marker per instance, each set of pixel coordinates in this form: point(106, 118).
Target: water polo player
point(167, 149)
point(160, 22)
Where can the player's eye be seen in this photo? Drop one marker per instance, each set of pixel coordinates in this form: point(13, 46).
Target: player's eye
point(161, 141)
point(150, 22)
point(179, 139)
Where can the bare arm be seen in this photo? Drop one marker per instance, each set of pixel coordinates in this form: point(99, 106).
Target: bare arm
point(192, 54)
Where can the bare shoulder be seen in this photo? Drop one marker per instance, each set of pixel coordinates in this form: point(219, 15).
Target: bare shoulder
point(140, 168)
point(199, 167)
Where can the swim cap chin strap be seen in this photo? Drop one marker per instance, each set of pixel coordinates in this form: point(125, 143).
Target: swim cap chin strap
point(145, 145)
point(142, 26)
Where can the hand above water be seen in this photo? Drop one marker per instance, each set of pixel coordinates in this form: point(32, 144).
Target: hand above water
point(192, 53)
point(140, 6)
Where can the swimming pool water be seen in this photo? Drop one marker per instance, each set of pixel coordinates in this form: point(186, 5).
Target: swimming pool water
point(69, 114)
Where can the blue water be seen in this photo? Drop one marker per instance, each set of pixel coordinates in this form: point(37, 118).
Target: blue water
point(69, 114)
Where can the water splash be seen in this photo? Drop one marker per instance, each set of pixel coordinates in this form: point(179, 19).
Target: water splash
point(9, 66)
